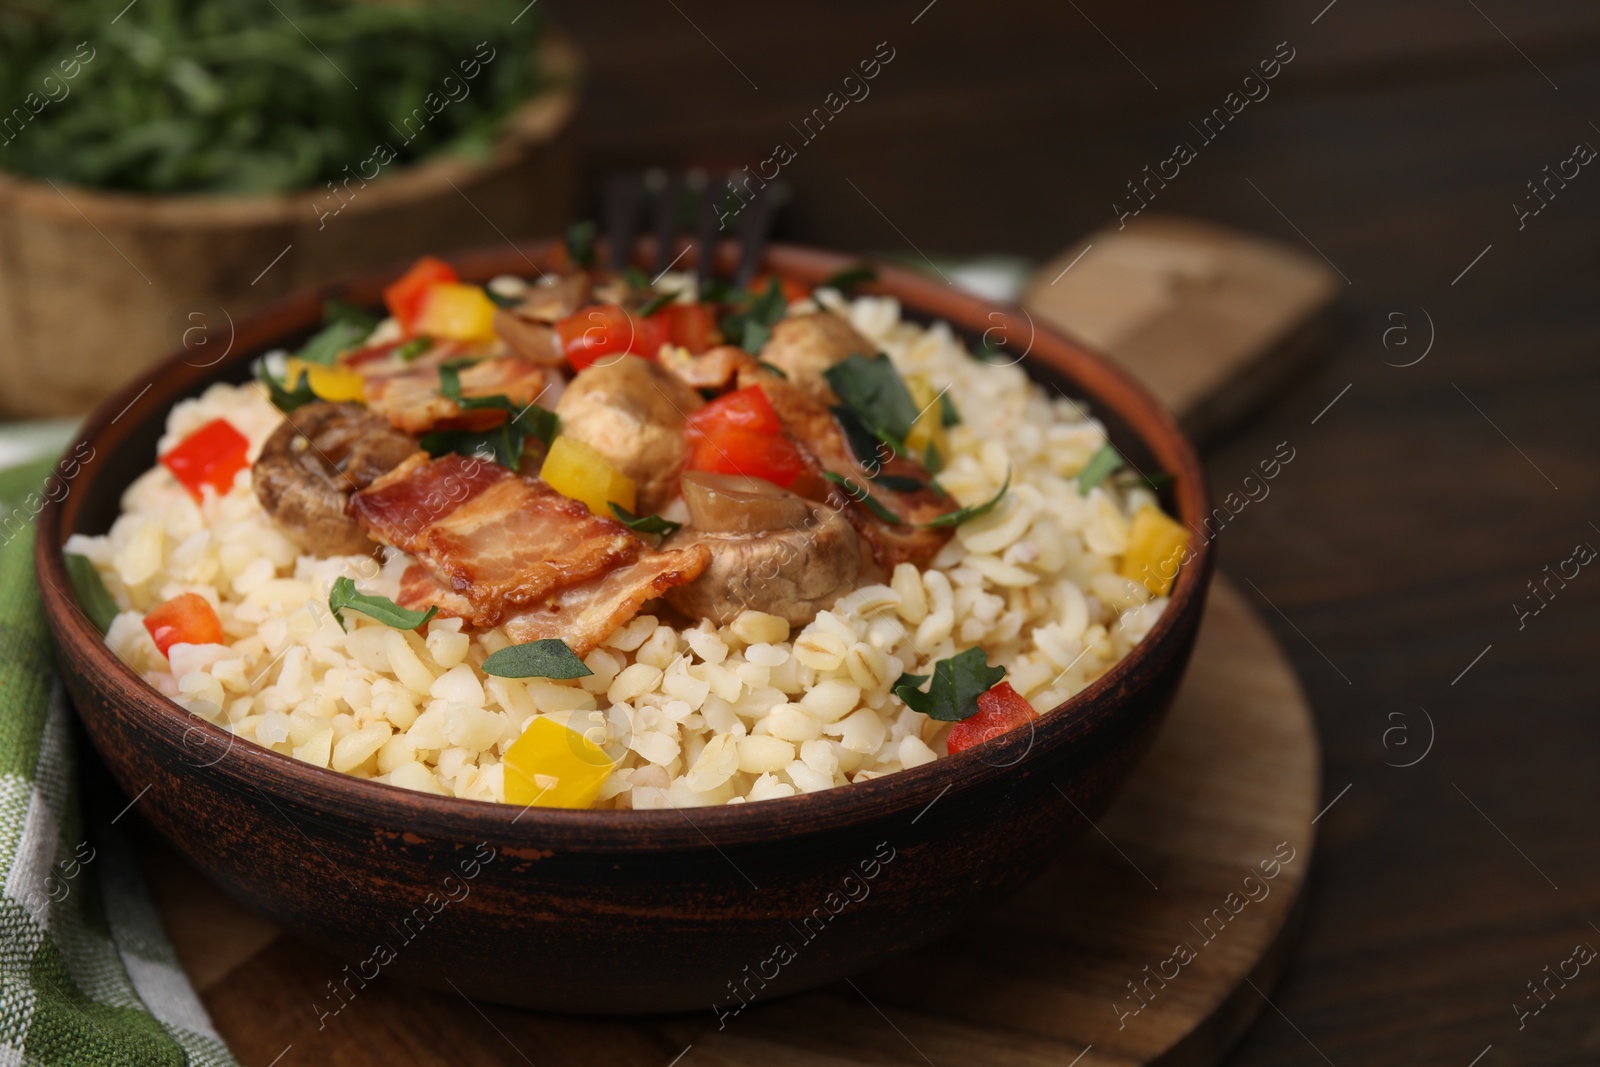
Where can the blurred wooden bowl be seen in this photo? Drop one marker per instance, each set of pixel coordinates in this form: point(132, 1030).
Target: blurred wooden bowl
point(97, 286)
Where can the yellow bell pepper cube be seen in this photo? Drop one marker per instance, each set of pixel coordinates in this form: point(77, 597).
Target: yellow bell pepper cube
point(929, 427)
point(333, 384)
point(551, 766)
point(575, 469)
point(1156, 548)
point(456, 311)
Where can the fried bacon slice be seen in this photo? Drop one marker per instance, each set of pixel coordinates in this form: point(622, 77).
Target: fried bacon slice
point(808, 420)
point(518, 541)
point(490, 544)
point(420, 590)
point(585, 615)
point(409, 396)
point(401, 507)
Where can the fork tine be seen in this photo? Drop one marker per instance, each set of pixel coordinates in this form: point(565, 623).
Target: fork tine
point(705, 234)
point(668, 202)
point(622, 217)
point(755, 228)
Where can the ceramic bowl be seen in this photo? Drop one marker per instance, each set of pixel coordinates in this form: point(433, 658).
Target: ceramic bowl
point(618, 911)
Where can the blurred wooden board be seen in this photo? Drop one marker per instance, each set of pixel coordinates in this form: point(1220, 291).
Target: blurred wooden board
point(1211, 320)
point(1039, 979)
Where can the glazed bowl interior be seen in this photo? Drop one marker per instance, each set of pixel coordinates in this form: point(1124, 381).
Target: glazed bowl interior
point(223, 801)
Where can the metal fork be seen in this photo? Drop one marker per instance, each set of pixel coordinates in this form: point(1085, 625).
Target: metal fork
point(694, 194)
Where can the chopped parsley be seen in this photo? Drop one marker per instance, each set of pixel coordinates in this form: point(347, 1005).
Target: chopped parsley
point(874, 390)
point(859, 493)
point(580, 242)
point(961, 515)
point(344, 327)
point(655, 304)
point(343, 596)
point(549, 658)
point(413, 348)
point(502, 443)
point(847, 279)
point(1105, 460)
point(948, 415)
point(284, 398)
point(93, 598)
point(958, 682)
point(651, 524)
point(751, 325)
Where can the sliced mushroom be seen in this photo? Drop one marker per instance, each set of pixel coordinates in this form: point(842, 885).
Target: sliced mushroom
point(632, 412)
point(771, 551)
point(313, 462)
point(553, 300)
point(804, 346)
point(717, 368)
point(532, 339)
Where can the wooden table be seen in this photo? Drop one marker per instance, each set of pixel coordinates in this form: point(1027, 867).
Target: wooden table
point(1390, 553)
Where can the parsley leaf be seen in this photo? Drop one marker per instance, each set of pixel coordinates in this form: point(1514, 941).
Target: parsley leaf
point(1134, 480)
point(413, 348)
point(549, 658)
point(580, 242)
point(93, 597)
point(958, 682)
point(655, 304)
point(1105, 460)
point(651, 524)
point(874, 389)
point(334, 310)
point(899, 483)
point(961, 515)
point(948, 415)
point(752, 326)
point(344, 327)
point(503, 443)
point(863, 442)
point(850, 277)
point(343, 596)
point(326, 344)
point(857, 492)
point(284, 399)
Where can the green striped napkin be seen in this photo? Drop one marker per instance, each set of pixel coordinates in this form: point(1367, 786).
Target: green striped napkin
point(87, 975)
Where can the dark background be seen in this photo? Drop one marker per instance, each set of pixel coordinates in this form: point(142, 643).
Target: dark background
point(1397, 141)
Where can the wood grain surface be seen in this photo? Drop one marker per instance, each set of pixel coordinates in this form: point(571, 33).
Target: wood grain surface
point(1227, 796)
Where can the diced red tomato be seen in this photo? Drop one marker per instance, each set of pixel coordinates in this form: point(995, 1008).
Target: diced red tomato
point(727, 449)
point(740, 434)
point(746, 408)
point(792, 290)
point(187, 619)
point(1000, 710)
point(404, 296)
point(694, 326)
point(601, 330)
point(211, 455)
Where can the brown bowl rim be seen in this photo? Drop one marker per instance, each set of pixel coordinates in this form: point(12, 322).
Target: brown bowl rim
point(1103, 385)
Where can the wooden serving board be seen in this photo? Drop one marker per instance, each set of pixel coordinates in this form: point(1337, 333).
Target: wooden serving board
point(1213, 321)
point(1039, 979)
